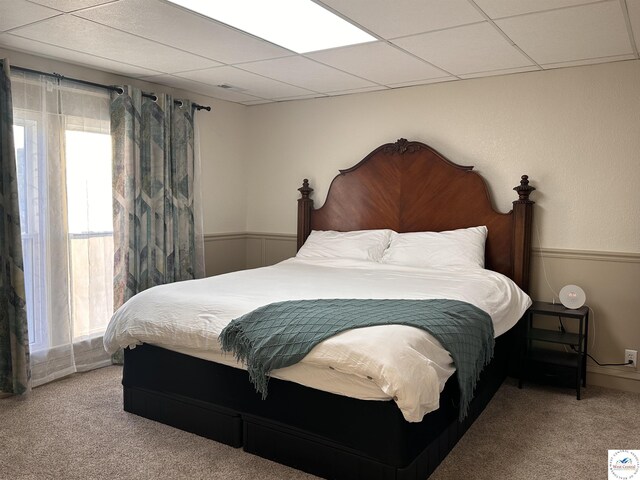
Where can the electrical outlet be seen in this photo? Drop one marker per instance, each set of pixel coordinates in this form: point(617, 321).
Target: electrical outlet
point(633, 356)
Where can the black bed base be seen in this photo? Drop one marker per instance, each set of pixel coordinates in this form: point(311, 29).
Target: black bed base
point(328, 435)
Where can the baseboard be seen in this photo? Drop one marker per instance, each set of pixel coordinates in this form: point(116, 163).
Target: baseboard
point(611, 377)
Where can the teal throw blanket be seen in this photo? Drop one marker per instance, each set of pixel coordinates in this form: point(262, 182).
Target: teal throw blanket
point(281, 334)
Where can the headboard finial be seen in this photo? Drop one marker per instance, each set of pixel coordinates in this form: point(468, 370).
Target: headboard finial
point(524, 190)
point(305, 205)
point(305, 190)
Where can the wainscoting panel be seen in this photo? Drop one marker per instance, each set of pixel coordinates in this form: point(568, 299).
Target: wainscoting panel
point(238, 251)
point(225, 253)
point(266, 249)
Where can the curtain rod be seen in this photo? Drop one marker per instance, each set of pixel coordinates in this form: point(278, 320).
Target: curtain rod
point(113, 88)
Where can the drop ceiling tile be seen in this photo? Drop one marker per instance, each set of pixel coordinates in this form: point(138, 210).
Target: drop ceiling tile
point(71, 56)
point(588, 61)
point(16, 13)
point(406, 17)
point(231, 96)
point(361, 90)
point(70, 5)
point(166, 44)
point(378, 62)
point(424, 82)
point(256, 102)
point(506, 8)
point(469, 49)
point(91, 38)
point(307, 74)
point(177, 27)
point(303, 97)
point(246, 82)
point(590, 31)
point(507, 71)
point(634, 16)
point(201, 88)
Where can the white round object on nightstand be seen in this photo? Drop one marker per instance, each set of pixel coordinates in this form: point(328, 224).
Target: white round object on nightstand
point(572, 296)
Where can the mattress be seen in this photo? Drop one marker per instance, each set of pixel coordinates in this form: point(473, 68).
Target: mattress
point(395, 362)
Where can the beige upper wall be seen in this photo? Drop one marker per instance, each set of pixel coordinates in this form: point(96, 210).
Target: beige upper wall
point(222, 141)
point(574, 131)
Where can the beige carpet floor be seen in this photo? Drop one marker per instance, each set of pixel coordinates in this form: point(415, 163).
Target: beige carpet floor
point(75, 428)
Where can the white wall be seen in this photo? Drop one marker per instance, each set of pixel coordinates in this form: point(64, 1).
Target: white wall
point(222, 141)
point(574, 131)
point(223, 165)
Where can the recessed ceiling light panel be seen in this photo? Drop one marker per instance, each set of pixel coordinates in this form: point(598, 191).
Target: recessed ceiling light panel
point(299, 25)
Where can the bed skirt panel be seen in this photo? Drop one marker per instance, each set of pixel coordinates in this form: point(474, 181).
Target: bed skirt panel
point(201, 418)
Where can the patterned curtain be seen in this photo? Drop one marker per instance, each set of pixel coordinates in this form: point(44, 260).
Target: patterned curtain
point(155, 240)
point(15, 372)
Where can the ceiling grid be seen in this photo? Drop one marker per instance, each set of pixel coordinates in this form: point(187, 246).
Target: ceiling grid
point(416, 42)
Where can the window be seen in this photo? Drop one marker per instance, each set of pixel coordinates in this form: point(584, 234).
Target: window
point(63, 155)
point(88, 169)
point(90, 220)
point(25, 140)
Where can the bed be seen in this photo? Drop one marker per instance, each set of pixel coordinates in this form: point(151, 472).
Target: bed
point(405, 187)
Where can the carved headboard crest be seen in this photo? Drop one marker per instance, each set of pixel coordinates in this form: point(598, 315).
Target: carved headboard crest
point(402, 145)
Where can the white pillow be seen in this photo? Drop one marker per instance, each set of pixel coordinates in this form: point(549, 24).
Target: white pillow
point(359, 245)
point(453, 248)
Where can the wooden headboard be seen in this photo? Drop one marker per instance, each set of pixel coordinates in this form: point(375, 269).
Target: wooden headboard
point(409, 187)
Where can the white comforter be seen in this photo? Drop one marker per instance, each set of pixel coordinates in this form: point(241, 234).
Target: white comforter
point(374, 363)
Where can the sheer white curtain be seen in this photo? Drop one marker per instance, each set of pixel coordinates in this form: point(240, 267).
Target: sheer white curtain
point(63, 154)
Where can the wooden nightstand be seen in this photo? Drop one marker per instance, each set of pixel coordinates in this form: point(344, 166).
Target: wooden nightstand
point(539, 361)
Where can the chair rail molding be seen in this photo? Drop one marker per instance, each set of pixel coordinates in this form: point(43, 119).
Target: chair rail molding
point(595, 255)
